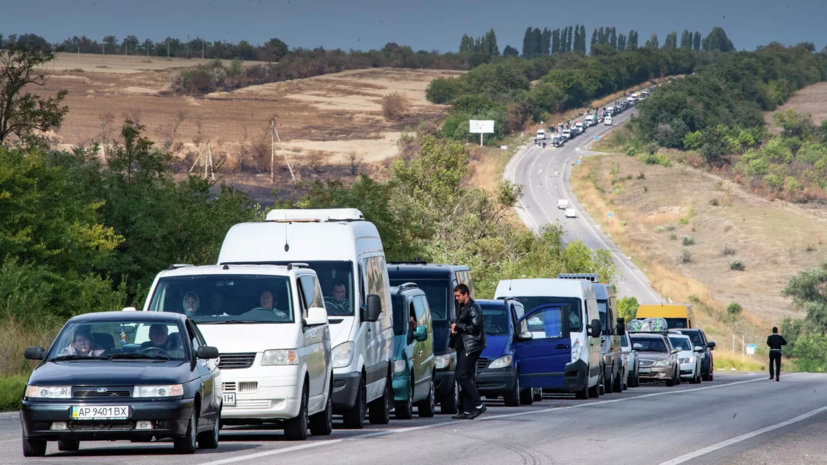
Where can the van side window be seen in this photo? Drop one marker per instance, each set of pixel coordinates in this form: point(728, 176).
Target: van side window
point(303, 299)
point(311, 292)
point(419, 309)
point(375, 278)
point(362, 293)
point(426, 314)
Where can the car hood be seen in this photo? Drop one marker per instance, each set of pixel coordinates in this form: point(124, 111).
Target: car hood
point(110, 373)
point(686, 354)
point(652, 355)
point(496, 346)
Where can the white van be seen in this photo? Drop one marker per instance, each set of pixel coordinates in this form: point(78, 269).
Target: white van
point(580, 127)
point(346, 253)
point(541, 134)
point(558, 348)
point(270, 325)
point(607, 121)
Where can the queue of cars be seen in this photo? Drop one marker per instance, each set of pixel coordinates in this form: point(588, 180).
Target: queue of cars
point(301, 319)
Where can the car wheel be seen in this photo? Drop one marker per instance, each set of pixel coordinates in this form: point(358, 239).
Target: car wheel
point(427, 406)
point(608, 388)
point(295, 429)
point(594, 391)
point(584, 393)
point(321, 424)
point(34, 447)
point(450, 403)
point(602, 384)
point(355, 417)
point(538, 395)
point(512, 399)
point(209, 439)
point(188, 444)
point(527, 396)
point(68, 445)
point(678, 381)
point(618, 384)
point(404, 408)
point(379, 412)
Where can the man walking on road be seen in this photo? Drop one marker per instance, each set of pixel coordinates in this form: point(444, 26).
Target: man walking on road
point(468, 336)
point(775, 341)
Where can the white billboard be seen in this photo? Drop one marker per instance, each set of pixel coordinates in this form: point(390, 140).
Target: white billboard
point(482, 126)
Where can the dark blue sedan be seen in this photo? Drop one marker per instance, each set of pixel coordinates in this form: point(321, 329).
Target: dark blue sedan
point(138, 376)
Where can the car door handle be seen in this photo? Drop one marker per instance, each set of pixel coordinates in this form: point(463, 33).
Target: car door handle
point(562, 346)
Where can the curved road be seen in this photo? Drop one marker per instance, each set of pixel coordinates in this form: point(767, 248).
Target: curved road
point(545, 176)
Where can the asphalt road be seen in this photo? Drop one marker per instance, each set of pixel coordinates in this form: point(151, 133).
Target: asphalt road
point(544, 175)
point(737, 419)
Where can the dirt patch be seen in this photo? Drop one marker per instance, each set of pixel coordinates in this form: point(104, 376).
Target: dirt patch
point(119, 64)
point(811, 100)
point(656, 208)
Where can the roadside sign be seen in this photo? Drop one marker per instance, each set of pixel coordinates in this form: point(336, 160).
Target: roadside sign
point(578, 162)
point(596, 137)
point(504, 147)
point(751, 349)
point(611, 214)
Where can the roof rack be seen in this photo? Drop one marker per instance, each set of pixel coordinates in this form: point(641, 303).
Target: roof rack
point(415, 261)
point(580, 276)
point(175, 266)
point(406, 286)
point(290, 266)
point(648, 325)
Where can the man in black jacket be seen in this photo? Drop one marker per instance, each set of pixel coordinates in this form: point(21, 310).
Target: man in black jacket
point(468, 336)
point(775, 341)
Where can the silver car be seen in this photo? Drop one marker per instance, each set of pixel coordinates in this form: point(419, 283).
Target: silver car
point(631, 363)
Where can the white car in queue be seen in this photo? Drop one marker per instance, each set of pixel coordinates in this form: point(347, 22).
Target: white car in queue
point(270, 325)
point(689, 357)
point(571, 213)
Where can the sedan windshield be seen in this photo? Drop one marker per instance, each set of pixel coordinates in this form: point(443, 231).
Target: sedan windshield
point(209, 299)
point(125, 339)
point(681, 343)
point(650, 344)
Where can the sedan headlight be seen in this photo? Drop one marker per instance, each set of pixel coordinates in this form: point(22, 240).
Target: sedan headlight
point(662, 363)
point(442, 361)
point(279, 357)
point(342, 355)
point(691, 359)
point(502, 362)
point(49, 392)
point(399, 366)
point(576, 350)
point(169, 390)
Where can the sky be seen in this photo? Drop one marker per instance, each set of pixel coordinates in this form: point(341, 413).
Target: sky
point(422, 24)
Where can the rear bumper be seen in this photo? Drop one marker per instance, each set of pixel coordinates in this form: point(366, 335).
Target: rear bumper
point(657, 373)
point(170, 418)
point(498, 382)
point(345, 390)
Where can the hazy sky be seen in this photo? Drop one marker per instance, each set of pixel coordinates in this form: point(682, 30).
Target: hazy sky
point(423, 24)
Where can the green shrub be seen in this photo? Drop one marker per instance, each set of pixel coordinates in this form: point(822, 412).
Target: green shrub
point(714, 201)
point(686, 256)
point(631, 151)
point(11, 392)
point(627, 308)
point(687, 241)
point(656, 159)
point(673, 236)
point(694, 299)
point(733, 310)
point(727, 251)
point(670, 227)
point(737, 265)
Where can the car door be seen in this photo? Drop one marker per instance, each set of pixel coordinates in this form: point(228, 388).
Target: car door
point(209, 400)
point(542, 360)
point(423, 350)
point(312, 338)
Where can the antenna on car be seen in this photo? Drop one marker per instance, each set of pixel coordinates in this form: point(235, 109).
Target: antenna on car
point(286, 245)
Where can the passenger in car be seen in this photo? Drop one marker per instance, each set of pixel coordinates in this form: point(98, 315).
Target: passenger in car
point(82, 345)
point(191, 303)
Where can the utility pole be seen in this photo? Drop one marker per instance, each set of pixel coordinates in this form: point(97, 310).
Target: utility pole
point(284, 154)
point(167, 47)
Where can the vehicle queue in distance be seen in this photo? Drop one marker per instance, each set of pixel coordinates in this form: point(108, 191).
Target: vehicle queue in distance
point(303, 319)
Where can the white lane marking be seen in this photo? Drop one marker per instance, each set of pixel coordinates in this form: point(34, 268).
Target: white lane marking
point(457, 422)
point(743, 437)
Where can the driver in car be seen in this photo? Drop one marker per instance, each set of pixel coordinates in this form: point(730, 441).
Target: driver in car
point(160, 341)
point(340, 298)
point(266, 301)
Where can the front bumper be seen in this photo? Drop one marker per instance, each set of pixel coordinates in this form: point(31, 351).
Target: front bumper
point(275, 397)
point(687, 369)
point(656, 373)
point(170, 418)
point(496, 382)
point(401, 382)
point(345, 390)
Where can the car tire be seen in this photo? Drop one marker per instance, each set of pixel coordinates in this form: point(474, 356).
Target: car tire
point(427, 406)
point(321, 424)
point(68, 445)
point(404, 409)
point(618, 384)
point(609, 387)
point(209, 439)
point(584, 393)
point(602, 384)
point(34, 447)
point(354, 418)
point(678, 381)
point(295, 429)
point(449, 404)
point(512, 399)
point(189, 443)
point(538, 395)
point(594, 391)
point(527, 396)
point(379, 411)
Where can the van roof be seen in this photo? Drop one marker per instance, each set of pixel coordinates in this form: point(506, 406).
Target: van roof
point(603, 291)
point(663, 311)
point(299, 241)
point(543, 287)
point(275, 270)
point(316, 214)
point(423, 270)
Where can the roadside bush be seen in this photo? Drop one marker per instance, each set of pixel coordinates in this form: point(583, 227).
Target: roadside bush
point(395, 106)
point(627, 308)
point(686, 256)
point(714, 201)
point(737, 265)
point(11, 392)
point(670, 227)
point(733, 310)
point(673, 236)
point(687, 241)
point(656, 159)
point(728, 251)
point(442, 90)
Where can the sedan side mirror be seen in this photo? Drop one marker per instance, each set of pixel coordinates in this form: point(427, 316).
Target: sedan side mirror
point(637, 346)
point(421, 333)
point(206, 353)
point(699, 349)
point(674, 351)
point(34, 353)
point(621, 326)
point(711, 345)
point(525, 336)
point(316, 316)
point(595, 327)
point(374, 308)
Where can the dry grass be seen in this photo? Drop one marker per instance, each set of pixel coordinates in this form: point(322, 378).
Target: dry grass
point(811, 100)
point(396, 106)
point(15, 341)
point(771, 238)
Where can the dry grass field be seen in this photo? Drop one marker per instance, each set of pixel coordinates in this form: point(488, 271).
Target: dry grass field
point(656, 208)
point(811, 100)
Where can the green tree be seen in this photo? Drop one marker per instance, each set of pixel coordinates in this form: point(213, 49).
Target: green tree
point(23, 114)
point(545, 41)
point(555, 41)
point(276, 49)
point(686, 40)
point(714, 145)
point(808, 290)
point(627, 308)
point(621, 42)
point(491, 41)
point(717, 40)
point(612, 38)
point(633, 41)
point(671, 41)
point(653, 42)
point(510, 51)
point(443, 90)
point(111, 44)
point(594, 41)
point(696, 41)
point(528, 45)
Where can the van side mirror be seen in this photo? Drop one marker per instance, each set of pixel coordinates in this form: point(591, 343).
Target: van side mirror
point(206, 353)
point(34, 353)
point(621, 326)
point(373, 309)
point(595, 328)
point(421, 333)
point(711, 345)
point(525, 336)
point(316, 316)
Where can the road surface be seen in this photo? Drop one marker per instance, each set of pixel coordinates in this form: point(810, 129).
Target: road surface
point(737, 419)
point(544, 175)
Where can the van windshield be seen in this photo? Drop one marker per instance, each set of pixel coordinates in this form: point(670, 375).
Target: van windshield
point(226, 298)
point(575, 308)
point(336, 280)
point(495, 317)
point(437, 292)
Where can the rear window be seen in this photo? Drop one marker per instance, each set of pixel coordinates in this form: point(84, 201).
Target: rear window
point(696, 338)
point(650, 344)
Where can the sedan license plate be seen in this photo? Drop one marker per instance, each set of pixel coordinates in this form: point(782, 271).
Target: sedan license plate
point(645, 370)
point(229, 399)
point(100, 413)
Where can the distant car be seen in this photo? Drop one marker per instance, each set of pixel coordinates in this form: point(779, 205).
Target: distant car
point(571, 213)
point(699, 339)
point(123, 376)
point(580, 126)
point(562, 204)
point(567, 134)
point(688, 358)
point(631, 362)
point(607, 121)
point(658, 360)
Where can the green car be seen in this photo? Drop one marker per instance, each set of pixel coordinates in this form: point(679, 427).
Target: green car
point(413, 359)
